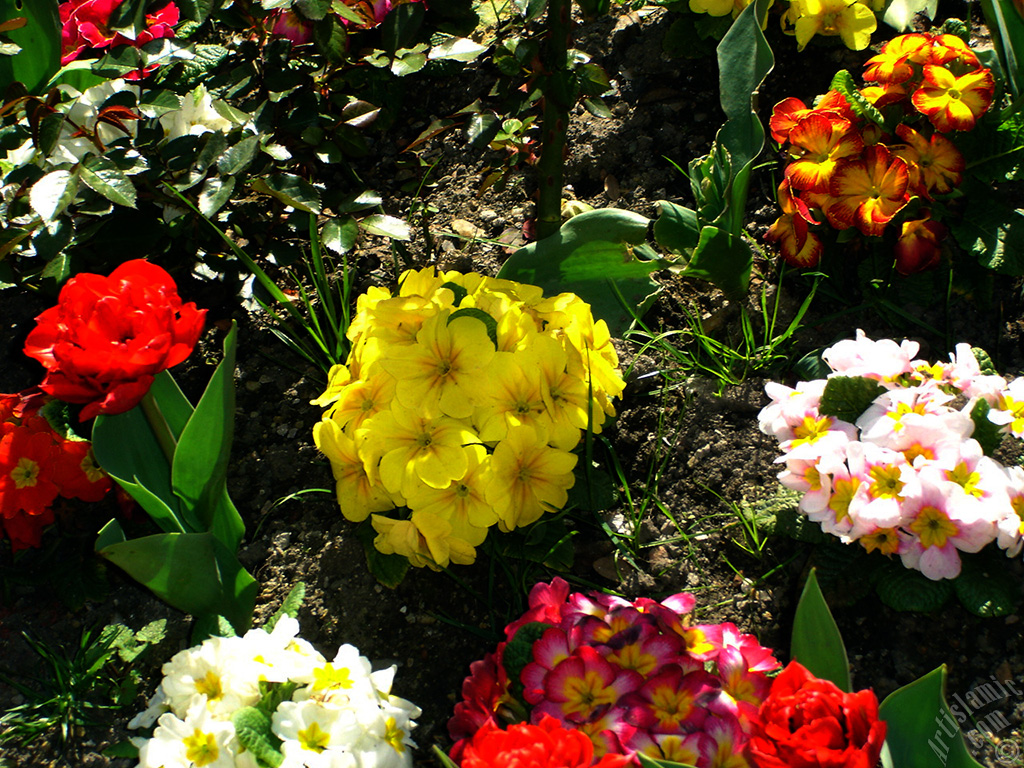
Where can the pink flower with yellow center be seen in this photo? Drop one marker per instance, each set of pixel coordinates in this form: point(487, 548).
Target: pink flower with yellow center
point(954, 103)
point(643, 649)
point(580, 686)
point(884, 540)
point(868, 191)
point(819, 141)
point(942, 520)
point(673, 701)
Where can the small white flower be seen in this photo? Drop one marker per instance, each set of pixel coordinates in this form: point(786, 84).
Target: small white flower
point(196, 116)
point(197, 741)
point(216, 670)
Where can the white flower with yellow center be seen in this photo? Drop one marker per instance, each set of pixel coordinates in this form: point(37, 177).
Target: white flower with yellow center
point(198, 741)
point(217, 670)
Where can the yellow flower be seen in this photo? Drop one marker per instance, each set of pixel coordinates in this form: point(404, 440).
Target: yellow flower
point(565, 396)
point(337, 379)
point(463, 503)
point(412, 448)
point(712, 7)
point(515, 396)
point(425, 540)
point(851, 20)
point(529, 478)
point(443, 371)
point(362, 399)
point(357, 495)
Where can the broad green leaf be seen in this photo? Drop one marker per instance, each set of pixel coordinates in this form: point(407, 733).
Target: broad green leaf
point(904, 589)
point(194, 572)
point(215, 193)
point(291, 190)
point(101, 175)
point(389, 570)
point(331, 37)
point(237, 158)
point(127, 449)
point(457, 48)
point(313, 9)
point(677, 228)
point(722, 258)
point(197, 10)
point(40, 41)
point(204, 447)
point(985, 586)
point(128, 18)
point(408, 61)
point(816, 642)
point(359, 202)
point(588, 254)
point(847, 397)
point(386, 226)
point(339, 235)
point(1006, 24)
point(79, 74)
point(991, 229)
point(918, 717)
point(53, 193)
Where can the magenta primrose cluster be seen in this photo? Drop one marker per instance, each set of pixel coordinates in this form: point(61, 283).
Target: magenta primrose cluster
point(907, 478)
point(633, 676)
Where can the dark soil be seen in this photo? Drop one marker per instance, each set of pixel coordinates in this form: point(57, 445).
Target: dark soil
point(703, 442)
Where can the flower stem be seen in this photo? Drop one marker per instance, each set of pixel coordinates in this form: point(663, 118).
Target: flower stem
point(158, 423)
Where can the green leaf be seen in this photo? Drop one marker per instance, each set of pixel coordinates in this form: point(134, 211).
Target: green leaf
point(207, 58)
point(313, 9)
point(122, 749)
point(289, 606)
point(408, 60)
point(339, 235)
point(446, 762)
point(519, 652)
point(1006, 24)
point(489, 322)
point(816, 642)
point(128, 18)
point(844, 84)
point(128, 451)
point(194, 572)
point(985, 432)
point(254, 733)
point(40, 42)
point(101, 175)
point(847, 397)
point(53, 193)
point(237, 158)
point(985, 586)
point(386, 226)
point(991, 229)
point(646, 761)
point(196, 10)
point(723, 259)
point(904, 589)
point(592, 256)
point(291, 190)
point(331, 38)
point(457, 49)
point(677, 228)
point(389, 570)
point(215, 193)
point(199, 472)
point(918, 716)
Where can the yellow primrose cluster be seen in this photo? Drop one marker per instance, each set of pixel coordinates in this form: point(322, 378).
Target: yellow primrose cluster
point(461, 402)
point(853, 21)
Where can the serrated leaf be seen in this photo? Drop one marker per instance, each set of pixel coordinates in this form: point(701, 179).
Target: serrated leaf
point(987, 434)
point(291, 190)
point(903, 589)
point(339, 235)
point(847, 397)
point(519, 652)
point(844, 84)
point(985, 586)
point(215, 193)
point(386, 226)
point(238, 157)
point(206, 59)
point(313, 10)
point(289, 606)
point(53, 193)
point(253, 729)
point(101, 175)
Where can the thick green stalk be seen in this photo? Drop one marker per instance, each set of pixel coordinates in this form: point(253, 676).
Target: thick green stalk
point(161, 429)
point(555, 120)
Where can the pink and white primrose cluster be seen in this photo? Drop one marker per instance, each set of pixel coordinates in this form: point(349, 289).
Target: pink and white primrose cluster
point(633, 676)
point(907, 477)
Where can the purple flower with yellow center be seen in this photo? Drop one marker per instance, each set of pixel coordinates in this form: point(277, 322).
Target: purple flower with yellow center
point(673, 701)
point(583, 685)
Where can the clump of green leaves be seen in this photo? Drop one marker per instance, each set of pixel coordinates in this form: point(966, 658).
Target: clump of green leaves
point(74, 689)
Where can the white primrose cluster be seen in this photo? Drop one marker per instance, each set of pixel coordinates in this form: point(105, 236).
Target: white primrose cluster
point(316, 713)
point(907, 477)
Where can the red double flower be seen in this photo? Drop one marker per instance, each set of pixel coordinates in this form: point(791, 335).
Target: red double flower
point(85, 24)
point(109, 336)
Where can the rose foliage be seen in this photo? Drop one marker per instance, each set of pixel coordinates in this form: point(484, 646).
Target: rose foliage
point(109, 336)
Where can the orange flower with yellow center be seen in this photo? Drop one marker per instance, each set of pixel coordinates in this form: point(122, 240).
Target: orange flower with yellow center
point(868, 191)
point(893, 65)
point(954, 103)
point(819, 142)
point(935, 164)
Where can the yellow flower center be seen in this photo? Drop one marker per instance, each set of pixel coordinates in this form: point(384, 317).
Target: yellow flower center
point(885, 481)
point(201, 748)
point(313, 739)
point(966, 479)
point(210, 685)
point(395, 736)
point(810, 430)
point(26, 474)
point(933, 527)
point(329, 676)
